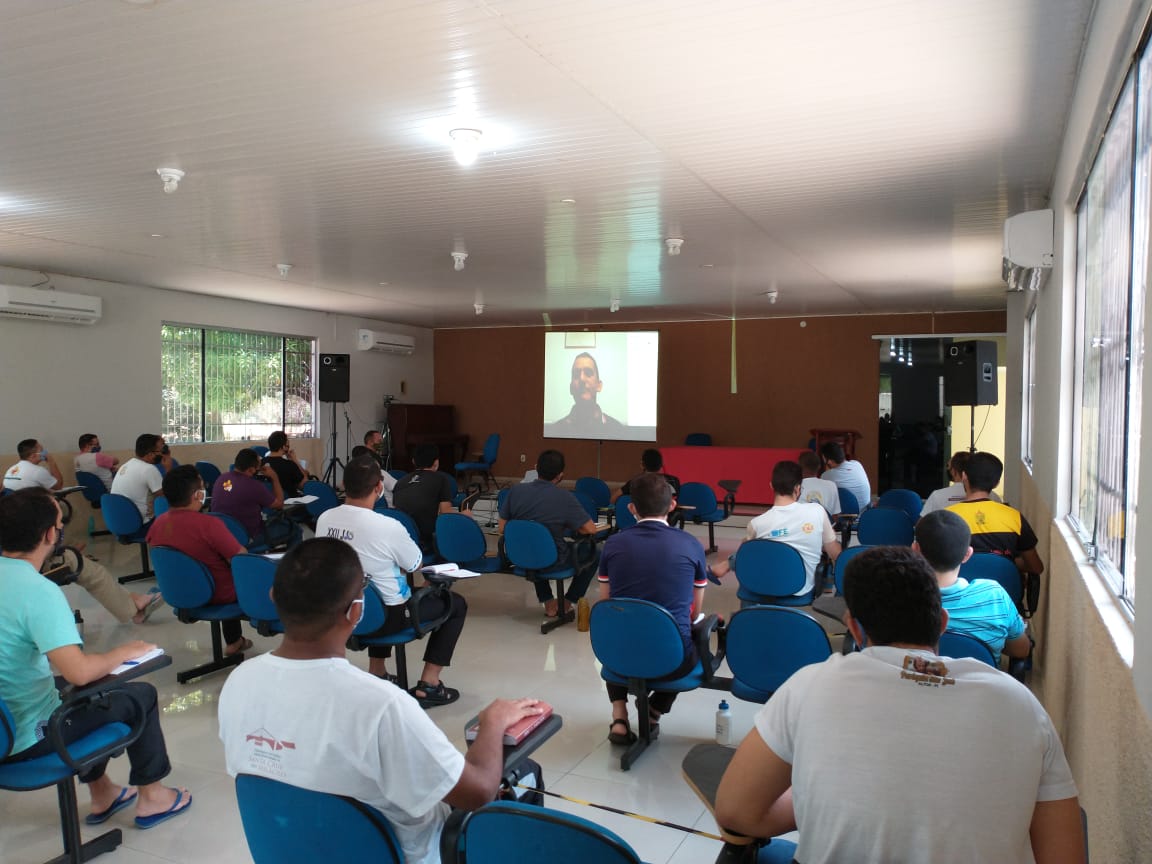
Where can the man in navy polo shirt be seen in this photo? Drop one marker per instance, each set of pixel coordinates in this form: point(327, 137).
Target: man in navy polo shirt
point(655, 562)
point(560, 512)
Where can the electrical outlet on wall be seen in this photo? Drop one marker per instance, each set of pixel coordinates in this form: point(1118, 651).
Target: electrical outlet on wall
point(523, 458)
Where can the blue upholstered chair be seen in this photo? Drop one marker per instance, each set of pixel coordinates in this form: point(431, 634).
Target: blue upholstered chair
point(365, 635)
point(957, 645)
point(256, 547)
point(460, 540)
point(706, 509)
point(849, 512)
point(260, 449)
point(252, 576)
point(998, 568)
point(159, 507)
point(593, 511)
point(771, 572)
point(397, 473)
point(596, 490)
point(125, 523)
point(624, 517)
point(532, 551)
point(209, 473)
point(413, 531)
point(841, 566)
point(59, 768)
point(187, 586)
point(902, 499)
point(506, 831)
point(483, 464)
point(884, 526)
point(639, 645)
point(94, 489)
point(326, 497)
point(288, 825)
point(697, 439)
point(766, 644)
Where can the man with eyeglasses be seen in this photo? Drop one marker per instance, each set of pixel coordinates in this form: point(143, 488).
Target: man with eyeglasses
point(304, 715)
point(139, 479)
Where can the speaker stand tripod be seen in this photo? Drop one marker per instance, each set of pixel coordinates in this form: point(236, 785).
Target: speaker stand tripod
point(330, 471)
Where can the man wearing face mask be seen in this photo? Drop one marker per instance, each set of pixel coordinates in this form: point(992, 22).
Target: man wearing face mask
point(203, 537)
point(35, 468)
point(388, 554)
point(93, 461)
point(139, 479)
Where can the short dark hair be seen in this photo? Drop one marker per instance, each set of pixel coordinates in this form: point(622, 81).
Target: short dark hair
point(651, 495)
point(245, 459)
point(360, 450)
point(943, 538)
point(370, 433)
point(277, 440)
point(892, 592)
point(26, 447)
point(361, 477)
point(595, 365)
point(984, 472)
point(180, 484)
point(25, 516)
point(959, 461)
point(86, 439)
point(833, 452)
point(424, 455)
point(786, 477)
point(314, 583)
point(809, 462)
point(550, 464)
point(146, 443)
point(651, 459)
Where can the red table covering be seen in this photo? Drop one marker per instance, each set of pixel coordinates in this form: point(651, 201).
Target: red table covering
point(750, 465)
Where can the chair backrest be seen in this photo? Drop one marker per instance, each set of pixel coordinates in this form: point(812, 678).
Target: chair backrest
point(374, 612)
point(94, 487)
point(902, 499)
point(184, 582)
point(883, 526)
point(234, 527)
point(325, 497)
point(288, 825)
point(506, 831)
point(7, 729)
point(260, 449)
point(849, 506)
point(766, 644)
point(698, 439)
point(841, 565)
point(700, 496)
point(492, 448)
point(407, 521)
point(453, 486)
point(397, 473)
point(159, 506)
point(529, 545)
point(459, 539)
point(636, 638)
point(624, 517)
point(209, 473)
point(998, 568)
point(588, 504)
point(596, 489)
point(769, 568)
point(120, 514)
point(501, 496)
point(252, 575)
point(957, 645)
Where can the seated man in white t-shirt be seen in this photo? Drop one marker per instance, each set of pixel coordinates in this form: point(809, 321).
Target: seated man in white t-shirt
point(804, 527)
point(885, 755)
point(91, 459)
point(954, 494)
point(304, 715)
point(139, 479)
point(815, 489)
point(35, 468)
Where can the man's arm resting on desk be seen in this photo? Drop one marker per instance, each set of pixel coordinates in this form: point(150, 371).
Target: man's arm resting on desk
point(1056, 832)
point(755, 794)
point(484, 762)
point(79, 668)
point(588, 527)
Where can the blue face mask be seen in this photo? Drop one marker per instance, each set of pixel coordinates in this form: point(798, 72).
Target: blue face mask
point(95, 449)
point(43, 455)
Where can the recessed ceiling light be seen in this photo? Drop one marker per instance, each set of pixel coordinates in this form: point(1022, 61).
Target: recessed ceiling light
point(383, 284)
point(707, 266)
point(155, 235)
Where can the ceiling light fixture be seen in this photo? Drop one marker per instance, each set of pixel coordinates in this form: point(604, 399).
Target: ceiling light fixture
point(458, 259)
point(674, 244)
point(614, 306)
point(155, 235)
point(891, 347)
point(171, 178)
point(567, 200)
point(465, 145)
point(479, 307)
point(283, 268)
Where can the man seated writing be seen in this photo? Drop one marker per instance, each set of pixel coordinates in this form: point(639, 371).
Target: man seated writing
point(653, 561)
point(351, 733)
point(37, 628)
point(894, 755)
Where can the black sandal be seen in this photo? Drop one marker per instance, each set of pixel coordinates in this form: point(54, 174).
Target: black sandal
point(434, 694)
point(653, 725)
point(621, 738)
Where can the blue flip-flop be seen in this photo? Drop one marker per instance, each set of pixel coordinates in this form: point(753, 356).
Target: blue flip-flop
point(156, 818)
point(125, 798)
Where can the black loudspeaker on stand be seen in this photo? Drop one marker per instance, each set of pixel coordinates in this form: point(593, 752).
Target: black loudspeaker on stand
point(970, 373)
point(333, 386)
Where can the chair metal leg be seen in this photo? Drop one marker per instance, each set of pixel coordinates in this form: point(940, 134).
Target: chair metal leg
point(711, 537)
point(639, 689)
point(218, 662)
point(401, 667)
point(76, 852)
point(145, 567)
point(562, 617)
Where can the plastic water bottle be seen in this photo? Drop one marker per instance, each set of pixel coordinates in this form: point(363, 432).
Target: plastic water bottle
point(583, 614)
point(723, 723)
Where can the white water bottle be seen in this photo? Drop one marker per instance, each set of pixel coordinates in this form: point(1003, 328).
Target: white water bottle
point(723, 723)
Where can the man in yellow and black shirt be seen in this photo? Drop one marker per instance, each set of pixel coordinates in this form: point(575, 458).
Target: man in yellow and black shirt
point(995, 527)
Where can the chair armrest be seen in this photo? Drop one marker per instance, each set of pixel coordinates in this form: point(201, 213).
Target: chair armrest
point(102, 697)
point(1031, 593)
point(62, 574)
point(702, 638)
point(431, 587)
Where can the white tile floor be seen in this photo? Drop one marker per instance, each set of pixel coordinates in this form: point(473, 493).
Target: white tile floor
point(501, 653)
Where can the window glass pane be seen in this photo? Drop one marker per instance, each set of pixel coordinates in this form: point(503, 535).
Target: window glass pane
point(298, 365)
point(181, 397)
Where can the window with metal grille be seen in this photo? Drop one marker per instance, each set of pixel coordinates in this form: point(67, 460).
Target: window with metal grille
point(233, 385)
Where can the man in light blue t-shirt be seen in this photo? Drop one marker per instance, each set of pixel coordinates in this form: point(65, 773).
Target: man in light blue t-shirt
point(847, 474)
point(982, 608)
point(37, 628)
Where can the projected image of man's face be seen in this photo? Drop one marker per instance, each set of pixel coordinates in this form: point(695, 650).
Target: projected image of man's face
point(585, 380)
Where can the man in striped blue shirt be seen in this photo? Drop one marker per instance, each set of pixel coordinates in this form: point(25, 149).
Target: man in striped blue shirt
point(982, 608)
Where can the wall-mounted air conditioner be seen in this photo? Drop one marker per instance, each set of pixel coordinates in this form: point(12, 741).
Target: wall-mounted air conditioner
point(39, 305)
point(390, 343)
